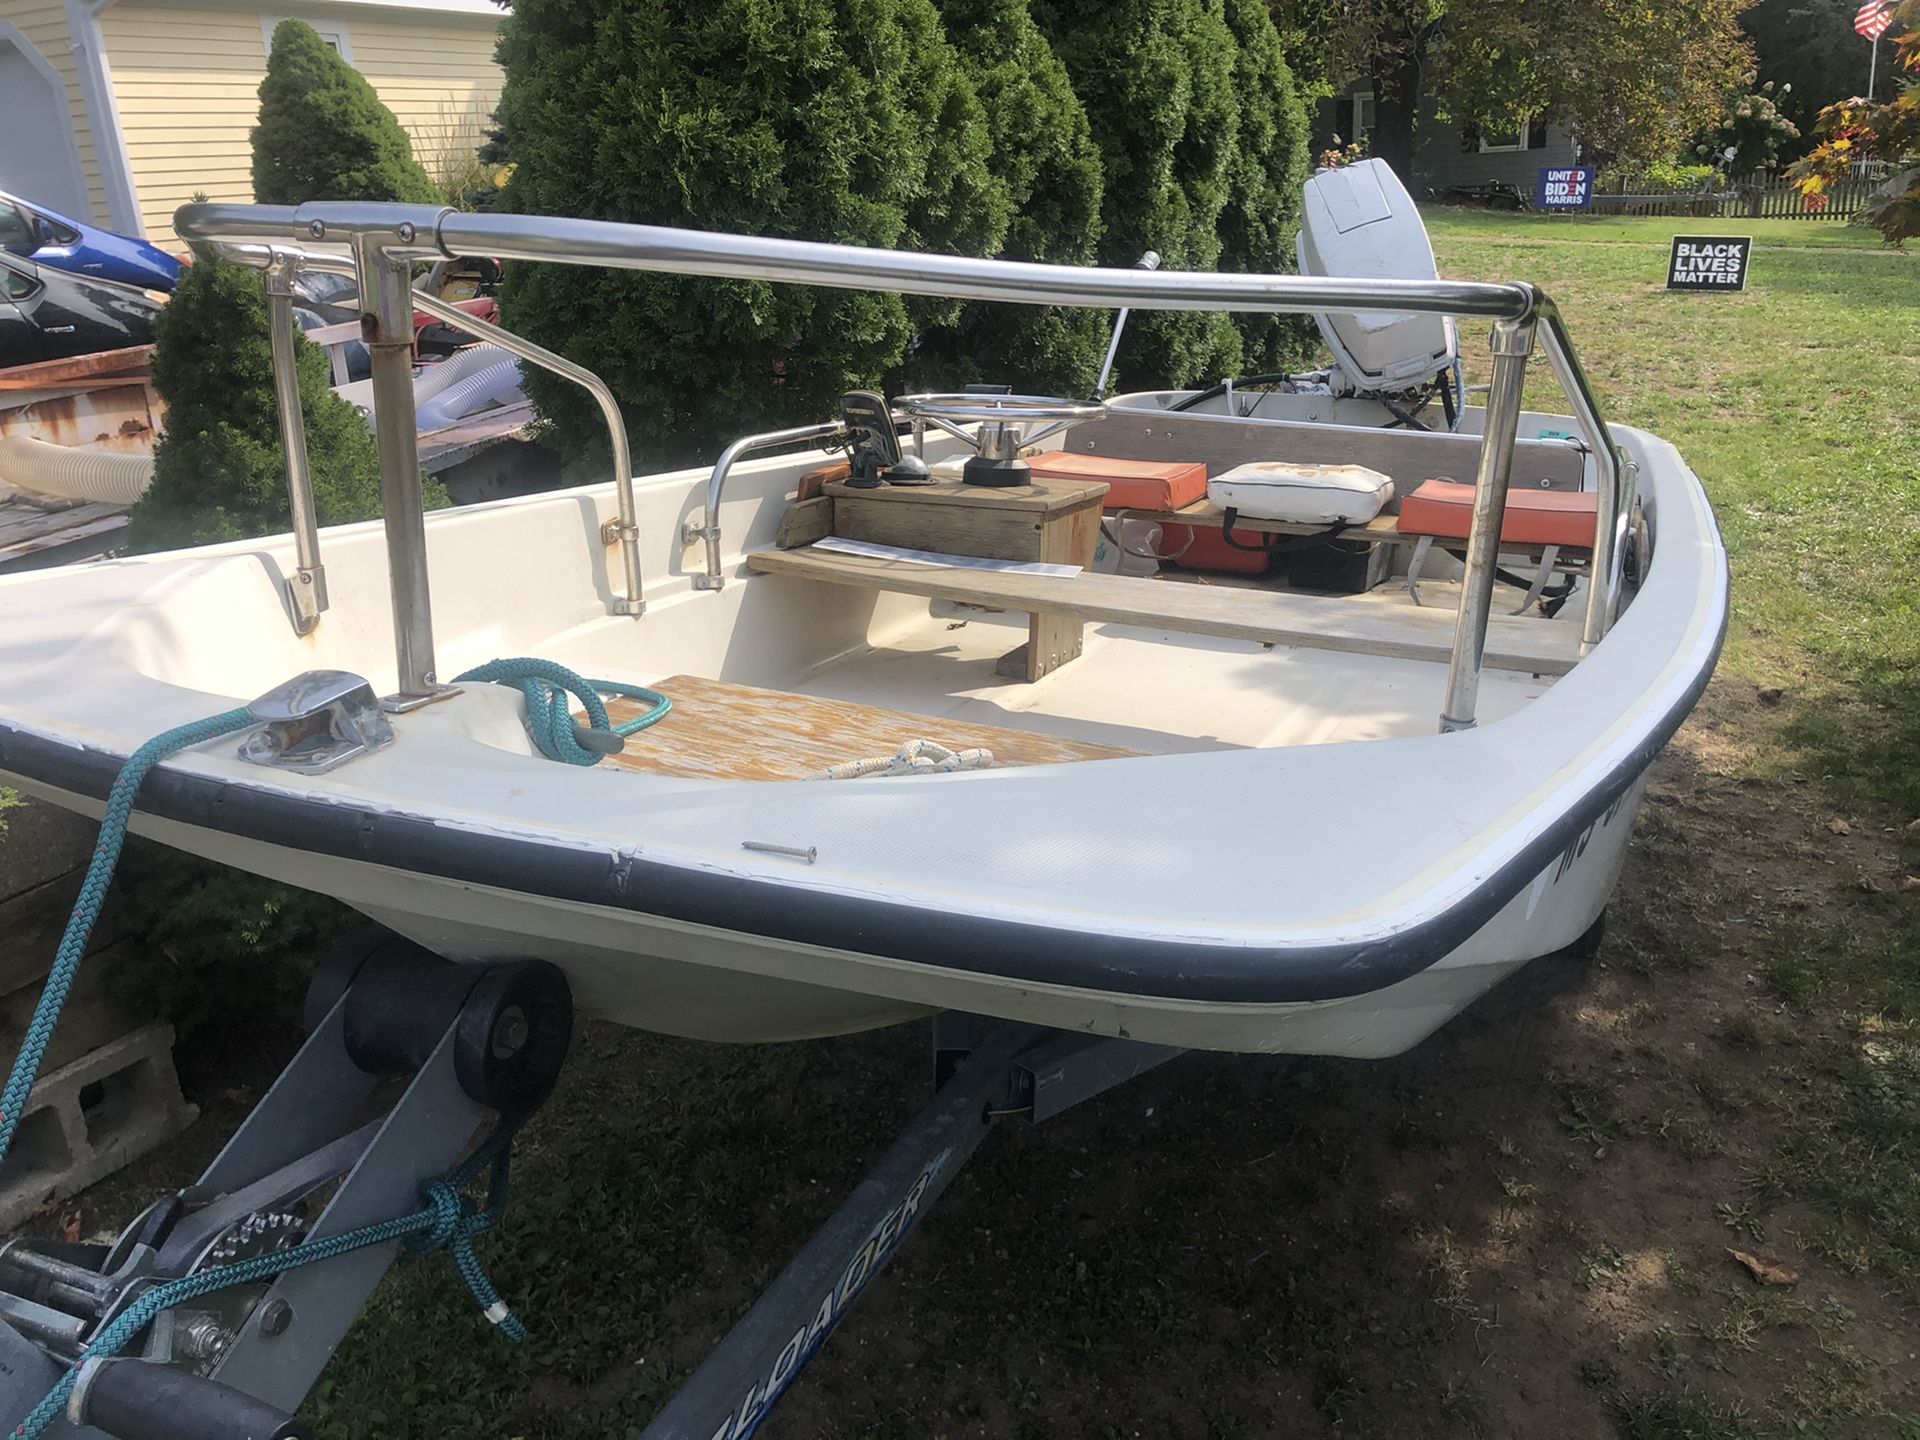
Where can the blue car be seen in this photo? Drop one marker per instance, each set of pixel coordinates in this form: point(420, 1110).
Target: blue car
point(36, 233)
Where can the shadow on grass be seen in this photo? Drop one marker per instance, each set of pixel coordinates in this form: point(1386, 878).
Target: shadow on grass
point(1454, 1242)
point(1861, 741)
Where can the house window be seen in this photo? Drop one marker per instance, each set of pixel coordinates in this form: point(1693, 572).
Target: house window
point(1528, 134)
point(1362, 117)
point(334, 32)
point(1495, 138)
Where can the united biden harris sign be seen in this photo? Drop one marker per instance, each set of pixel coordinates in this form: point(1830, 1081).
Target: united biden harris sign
point(1565, 187)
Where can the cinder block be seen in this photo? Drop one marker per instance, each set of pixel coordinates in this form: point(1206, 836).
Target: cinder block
point(86, 1120)
point(42, 842)
point(32, 922)
point(90, 1018)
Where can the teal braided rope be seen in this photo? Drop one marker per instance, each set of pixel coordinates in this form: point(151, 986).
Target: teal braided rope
point(86, 910)
point(449, 1219)
point(546, 686)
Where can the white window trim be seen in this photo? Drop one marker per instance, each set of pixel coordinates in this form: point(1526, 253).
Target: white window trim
point(1487, 147)
point(334, 30)
point(11, 34)
point(1357, 130)
point(103, 116)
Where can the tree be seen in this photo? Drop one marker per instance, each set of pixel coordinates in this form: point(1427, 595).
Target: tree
point(324, 134)
point(1262, 217)
point(1811, 46)
point(1157, 80)
point(1750, 136)
point(1858, 129)
point(219, 470)
point(1041, 147)
point(835, 120)
point(1634, 81)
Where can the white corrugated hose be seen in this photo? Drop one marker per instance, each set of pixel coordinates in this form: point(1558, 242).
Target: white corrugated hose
point(432, 379)
point(109, 477)
point(464, 397)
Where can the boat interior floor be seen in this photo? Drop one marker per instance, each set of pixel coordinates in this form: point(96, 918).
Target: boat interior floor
point(724, 731)
point(1133, 691)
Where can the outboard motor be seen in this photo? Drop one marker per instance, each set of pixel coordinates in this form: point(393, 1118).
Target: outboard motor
point(1359, 222)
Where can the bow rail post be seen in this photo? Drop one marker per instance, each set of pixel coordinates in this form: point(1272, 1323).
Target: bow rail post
point(624, 528)
point(707, 528)
point(1512, 343)
point(386, 320)
point(1614, 481)
point(307, 590)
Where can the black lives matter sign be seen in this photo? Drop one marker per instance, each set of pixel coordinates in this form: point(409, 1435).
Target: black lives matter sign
point(1709, 262)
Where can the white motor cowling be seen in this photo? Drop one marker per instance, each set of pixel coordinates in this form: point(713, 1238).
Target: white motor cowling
point(1358, 222)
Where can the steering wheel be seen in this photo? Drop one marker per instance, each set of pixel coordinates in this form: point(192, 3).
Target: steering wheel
point(1002, 418)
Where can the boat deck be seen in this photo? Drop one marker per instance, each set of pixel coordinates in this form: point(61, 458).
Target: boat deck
point(934, 677)
point(739, 732)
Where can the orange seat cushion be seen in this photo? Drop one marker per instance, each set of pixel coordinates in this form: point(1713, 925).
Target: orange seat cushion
point(1444, 509)
point(1196, 547)
point(1131, 484)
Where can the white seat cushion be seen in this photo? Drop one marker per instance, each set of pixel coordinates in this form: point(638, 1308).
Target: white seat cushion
point(1302, 494)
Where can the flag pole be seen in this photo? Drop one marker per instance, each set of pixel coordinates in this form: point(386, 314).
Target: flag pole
point(1873, 68)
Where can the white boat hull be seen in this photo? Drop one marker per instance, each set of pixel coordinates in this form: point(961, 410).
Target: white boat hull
point(712, 984)
point(1245, 884)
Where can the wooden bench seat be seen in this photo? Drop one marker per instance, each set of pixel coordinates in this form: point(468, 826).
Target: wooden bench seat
point(721, 731)
point(1359, 626)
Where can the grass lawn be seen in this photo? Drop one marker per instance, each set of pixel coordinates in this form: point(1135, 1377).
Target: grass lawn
point(1794, 401)
point(1524, 1227)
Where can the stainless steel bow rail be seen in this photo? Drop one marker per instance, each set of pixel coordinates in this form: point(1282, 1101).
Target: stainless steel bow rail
point(413, 619)
point(385, 239)
point(706, 528)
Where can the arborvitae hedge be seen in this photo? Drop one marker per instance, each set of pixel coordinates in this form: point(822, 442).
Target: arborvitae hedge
point(324, 134)
point(837, 120)
point(1170, 125)
point(1042, 147)
point(219, 471)
point(1262, 217)
point(1157, 78)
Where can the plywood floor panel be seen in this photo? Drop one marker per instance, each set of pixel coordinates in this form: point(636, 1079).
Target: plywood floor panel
point(722, 731)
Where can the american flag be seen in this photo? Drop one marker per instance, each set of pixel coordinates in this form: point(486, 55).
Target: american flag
point(1874, 19)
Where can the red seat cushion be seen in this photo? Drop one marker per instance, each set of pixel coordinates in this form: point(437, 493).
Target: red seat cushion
point(1131, 484)
point(1203, 547)
point(1444, 509)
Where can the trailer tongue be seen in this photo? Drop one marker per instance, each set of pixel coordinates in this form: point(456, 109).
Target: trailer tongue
point(215, 1311)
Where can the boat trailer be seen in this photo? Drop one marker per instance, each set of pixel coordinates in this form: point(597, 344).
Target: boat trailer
point(459, 1043)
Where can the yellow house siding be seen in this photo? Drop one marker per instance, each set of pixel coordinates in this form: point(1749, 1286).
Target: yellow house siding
point(188, 80)
point(436, 73)
point(44, 23)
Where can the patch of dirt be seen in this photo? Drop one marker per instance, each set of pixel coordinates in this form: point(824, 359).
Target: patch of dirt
point(1498, 1234)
